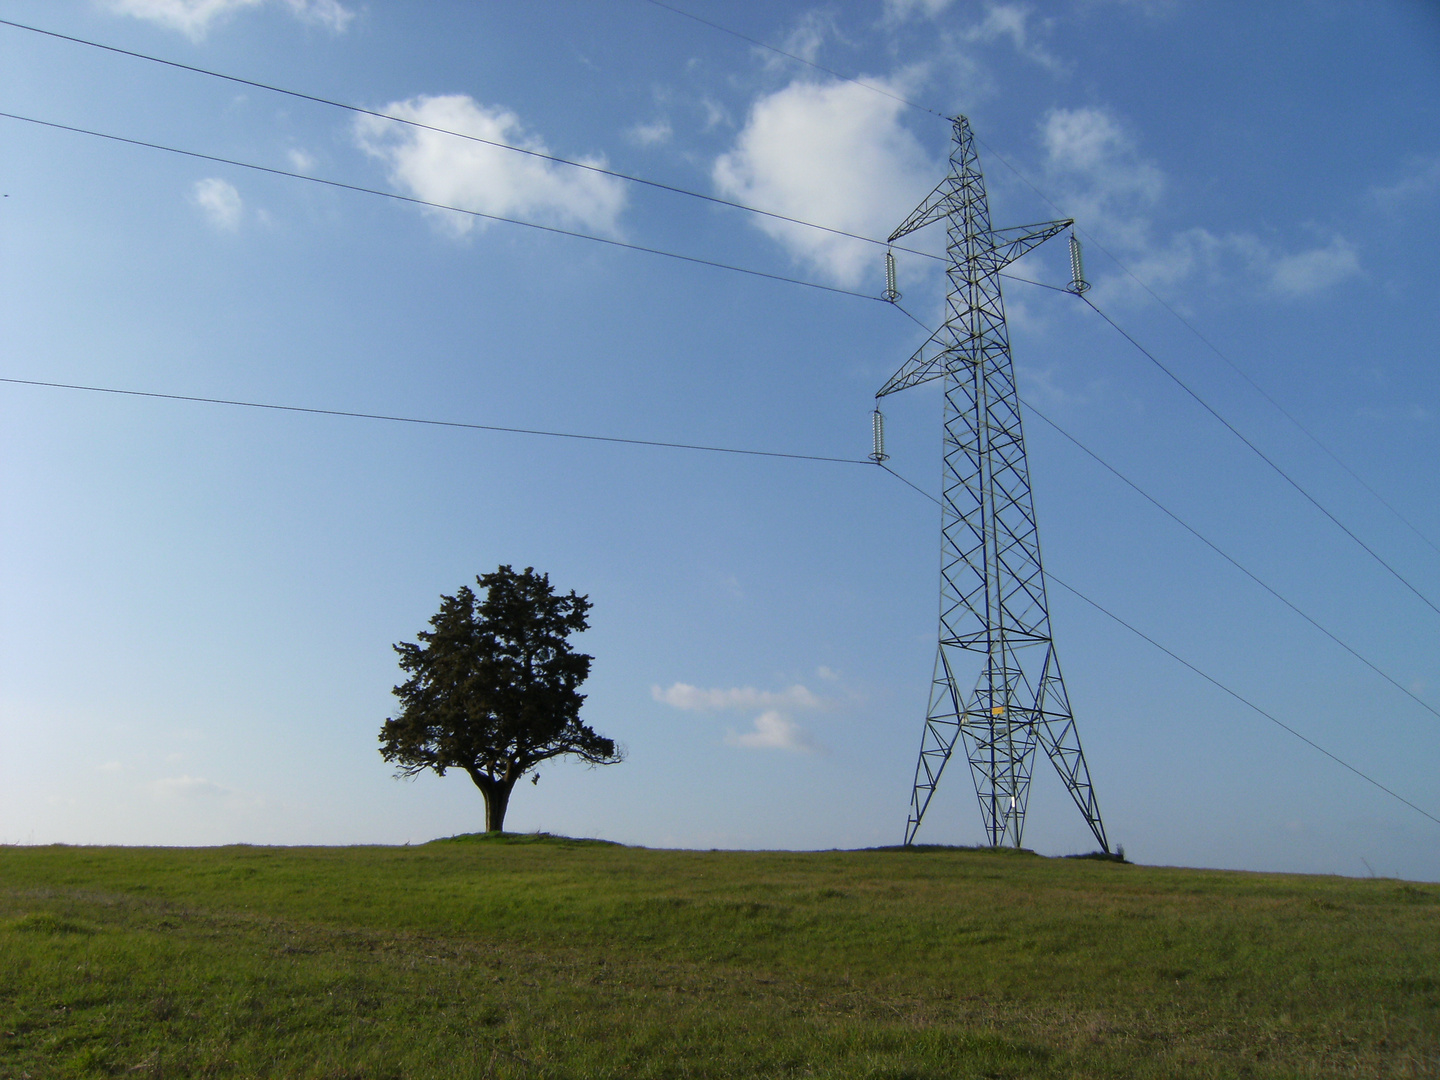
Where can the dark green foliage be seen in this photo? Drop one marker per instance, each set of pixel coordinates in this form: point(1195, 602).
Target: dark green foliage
point(494, 688)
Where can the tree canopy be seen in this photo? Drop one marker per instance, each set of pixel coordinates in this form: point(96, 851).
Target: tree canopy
point(493, 688)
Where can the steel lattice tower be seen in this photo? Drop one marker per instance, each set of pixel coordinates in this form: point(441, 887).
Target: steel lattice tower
point(993, 610)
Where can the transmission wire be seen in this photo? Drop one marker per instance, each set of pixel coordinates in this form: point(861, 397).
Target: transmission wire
point(1186, 525)
point(993, 152)
point(1262, 456)
point(1033, 411)
point(763, 453)
point(1212, 347)
point(1293, 483)
point(429, 423)
point(441, 206)
point(1208, 678)
point(529, 152)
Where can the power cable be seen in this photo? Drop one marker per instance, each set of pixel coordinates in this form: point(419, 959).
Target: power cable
point(1263, 457)
point(1192, 530)
point(1234, 431)
point(430, 423)
point(1207, 677)
point(993, 152)
point(527, 151)
point(440, 206)
point(1213, 348)
point(711, 449)
point(1243, 700)
point(1033, 411)
point(736, 205)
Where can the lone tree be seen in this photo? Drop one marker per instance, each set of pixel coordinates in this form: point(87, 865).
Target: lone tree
point(492, 688)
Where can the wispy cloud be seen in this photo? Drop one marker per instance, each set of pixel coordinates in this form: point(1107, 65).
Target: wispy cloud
point(774, 729)
point(684, 696)
point(439, 167)
point(219, 202)
point(1095, 166)
point(195, 18)
point(901, 10)
point(1420, 180)
point(655, 133)
point(1307, 272)
point(804, 40)
point(1095, 163)
point(833, 153)
point(300, 160)
point(198, 791)
point(1011, 22)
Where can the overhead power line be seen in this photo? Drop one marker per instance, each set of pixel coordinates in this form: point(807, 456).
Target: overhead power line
point(1264, 457)
point(429, 423)
point(419, 125)
point(1206, 676)
point(710, 449)
point(1033, 411)
point(1093, 239)
point(1234, 431)
point(675, 189)
point(1242, 699)
point(439, 206)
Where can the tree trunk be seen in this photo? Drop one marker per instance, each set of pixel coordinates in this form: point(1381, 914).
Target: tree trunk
point(497, 799)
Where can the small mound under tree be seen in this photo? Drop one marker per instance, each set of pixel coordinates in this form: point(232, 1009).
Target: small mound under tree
point(494, 688)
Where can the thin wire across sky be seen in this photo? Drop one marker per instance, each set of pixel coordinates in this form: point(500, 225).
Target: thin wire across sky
point(779, 278)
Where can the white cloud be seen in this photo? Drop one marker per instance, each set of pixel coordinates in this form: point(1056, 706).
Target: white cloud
point(805, 40)
point(900, 10)
point(300, 160)
point(715, 113)
point(684, 696)
point(1111, 190)
point(1200, 255)
point(835, 154)
point(1009, 21)
point(1312, 271)
point(188, 787)
point(1421, 179)
point(442, 168)
point(111, 767)
point(194, 18)
point(773, 730)
point(652, 134)
point(196, 790)
point(219, 201)
point(1104, 179)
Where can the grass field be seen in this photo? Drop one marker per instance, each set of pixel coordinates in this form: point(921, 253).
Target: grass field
point(541, 957)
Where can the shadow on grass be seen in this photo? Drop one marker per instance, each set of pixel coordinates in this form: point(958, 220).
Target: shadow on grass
point(511, 839)
point(1003, 852)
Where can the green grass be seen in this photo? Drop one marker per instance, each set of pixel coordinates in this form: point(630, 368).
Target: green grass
point(543, 957)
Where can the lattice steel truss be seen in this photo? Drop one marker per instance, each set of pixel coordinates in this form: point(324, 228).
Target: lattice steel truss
point(992, 588)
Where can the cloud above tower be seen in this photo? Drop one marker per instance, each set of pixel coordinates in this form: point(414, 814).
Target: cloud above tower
point(832, 153)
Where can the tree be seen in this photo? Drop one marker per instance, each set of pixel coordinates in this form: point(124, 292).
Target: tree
point(493, 688)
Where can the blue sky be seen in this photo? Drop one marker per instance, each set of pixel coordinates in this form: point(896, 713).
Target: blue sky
point(198, 601)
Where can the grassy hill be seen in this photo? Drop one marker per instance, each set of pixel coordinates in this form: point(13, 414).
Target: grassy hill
point(542, 957)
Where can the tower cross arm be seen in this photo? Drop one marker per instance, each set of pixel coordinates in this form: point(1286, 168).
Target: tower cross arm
point(1009, 244)
point(923, 366)
point(937, 205)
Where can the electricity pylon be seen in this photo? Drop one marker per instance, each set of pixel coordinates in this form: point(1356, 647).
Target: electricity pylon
point(992, 588)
